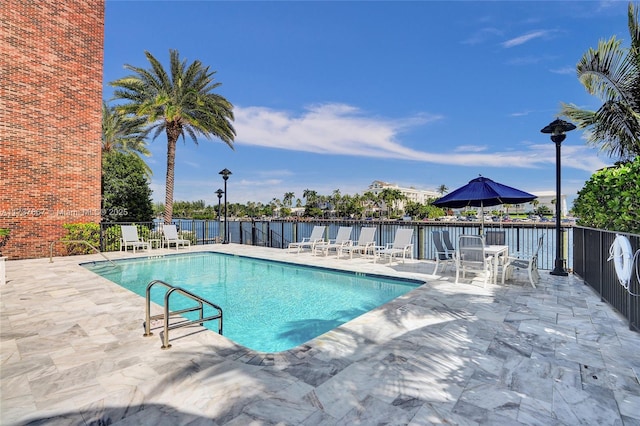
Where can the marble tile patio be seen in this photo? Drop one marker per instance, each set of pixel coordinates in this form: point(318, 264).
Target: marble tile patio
point(72, 353)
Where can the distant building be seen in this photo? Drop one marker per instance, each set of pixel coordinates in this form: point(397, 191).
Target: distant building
point(545, 198)
point(421, 196)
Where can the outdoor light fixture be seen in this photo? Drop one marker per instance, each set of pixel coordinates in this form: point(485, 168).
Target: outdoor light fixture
point(557, 129)
point(225, 175)
point(219, 193)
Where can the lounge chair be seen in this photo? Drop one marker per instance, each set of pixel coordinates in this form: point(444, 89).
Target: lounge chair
point(317, 235)
point(170, 236)
point(365, 244)
point(343, 238)
point(494, 238)
point(471, 257)
point(401, 245)
point(530, 264)
point(442, 254)
point(446, 240)
point(130, 239)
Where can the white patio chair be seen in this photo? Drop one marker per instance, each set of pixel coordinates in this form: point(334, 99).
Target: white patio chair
point(317, 235)
point(401, 245)
point(471, 257)
point(365, 244)
point(342, 239)
point(530, 264)
point(130, 239)
point(170, 236)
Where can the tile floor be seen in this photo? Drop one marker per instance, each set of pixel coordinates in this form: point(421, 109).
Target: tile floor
point(72, 353)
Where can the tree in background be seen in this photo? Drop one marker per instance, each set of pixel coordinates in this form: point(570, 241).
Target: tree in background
point(126, 196)
point(612, 73)
point(177, 103)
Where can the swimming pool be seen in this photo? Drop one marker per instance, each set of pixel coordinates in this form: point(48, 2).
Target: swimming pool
point(268, 306)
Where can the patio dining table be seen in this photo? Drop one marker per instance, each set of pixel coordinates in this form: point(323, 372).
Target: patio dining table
point(497, 251)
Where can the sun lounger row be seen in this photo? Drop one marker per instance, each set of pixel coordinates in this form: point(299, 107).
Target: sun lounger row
point(130, 238)
point(342, 245)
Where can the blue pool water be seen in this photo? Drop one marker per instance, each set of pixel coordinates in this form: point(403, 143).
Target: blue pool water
point(268, 306)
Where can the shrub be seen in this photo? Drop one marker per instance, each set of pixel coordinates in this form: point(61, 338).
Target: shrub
point(611, 199)
point(89, 232)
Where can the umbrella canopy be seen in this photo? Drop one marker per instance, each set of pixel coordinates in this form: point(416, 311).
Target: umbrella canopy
point(483, 192)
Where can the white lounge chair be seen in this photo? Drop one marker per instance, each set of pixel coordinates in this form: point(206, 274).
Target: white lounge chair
point(170, 236)
point(130, 239)
point(343, 238)
point(317, 235)
point(530, 264)
point(442, 254)
point(471, 257)
point(401, 245)
point(365, 244)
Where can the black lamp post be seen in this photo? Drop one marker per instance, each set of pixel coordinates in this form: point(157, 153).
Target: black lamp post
point(557, 129)
point(225, 175)
point(219, 193)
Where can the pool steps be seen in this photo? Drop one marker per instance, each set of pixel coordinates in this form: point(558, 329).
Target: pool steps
point(165, 316)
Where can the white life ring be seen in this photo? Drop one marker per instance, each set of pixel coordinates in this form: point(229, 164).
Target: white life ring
point(622, 256)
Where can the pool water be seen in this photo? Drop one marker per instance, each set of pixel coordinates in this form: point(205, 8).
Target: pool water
point(268, 306)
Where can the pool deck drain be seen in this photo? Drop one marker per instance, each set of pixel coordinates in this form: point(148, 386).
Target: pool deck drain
point(72, 352)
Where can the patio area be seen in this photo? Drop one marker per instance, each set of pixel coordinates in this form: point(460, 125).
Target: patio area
point(72, 352)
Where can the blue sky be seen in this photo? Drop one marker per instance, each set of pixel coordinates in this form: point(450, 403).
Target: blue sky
point(335, 95)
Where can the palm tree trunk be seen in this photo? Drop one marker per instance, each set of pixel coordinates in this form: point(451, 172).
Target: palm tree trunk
point(173, 132)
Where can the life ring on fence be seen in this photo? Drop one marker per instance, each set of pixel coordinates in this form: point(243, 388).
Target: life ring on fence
point(622, 256)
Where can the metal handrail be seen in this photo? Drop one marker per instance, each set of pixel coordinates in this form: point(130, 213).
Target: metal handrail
point(77, 241)
point(167, 313)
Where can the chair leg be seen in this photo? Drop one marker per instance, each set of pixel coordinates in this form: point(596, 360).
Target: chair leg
point(531, 276)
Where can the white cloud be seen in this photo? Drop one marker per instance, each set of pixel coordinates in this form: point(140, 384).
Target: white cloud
point(564, 70)
point(481, 36)
point(471, 148)
point(516, 41)
point(340, 129)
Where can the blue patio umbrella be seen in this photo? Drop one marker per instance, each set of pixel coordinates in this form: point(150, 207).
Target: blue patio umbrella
point(483, 192)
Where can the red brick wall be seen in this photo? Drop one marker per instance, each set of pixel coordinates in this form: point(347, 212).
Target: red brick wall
point(50, 120)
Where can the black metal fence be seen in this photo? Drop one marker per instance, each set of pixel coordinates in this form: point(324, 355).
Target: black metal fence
point(591, 251)
point(520, 237)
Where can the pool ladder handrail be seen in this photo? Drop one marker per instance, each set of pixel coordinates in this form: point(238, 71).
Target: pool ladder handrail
point(78, 241)
point(167, 313)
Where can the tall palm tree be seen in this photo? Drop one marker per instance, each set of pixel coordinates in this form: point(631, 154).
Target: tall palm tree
point(443, 189)
point(179, 103)
point(612, 73)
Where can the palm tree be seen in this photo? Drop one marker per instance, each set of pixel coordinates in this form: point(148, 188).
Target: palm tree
point(122, 133)
point(390, 196)
point(179, 103)
point(311, 197)
point(612, 73)
point(443, 189)
point(287, 200)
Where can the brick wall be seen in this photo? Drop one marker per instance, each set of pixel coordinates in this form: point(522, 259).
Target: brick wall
point(50, 120)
